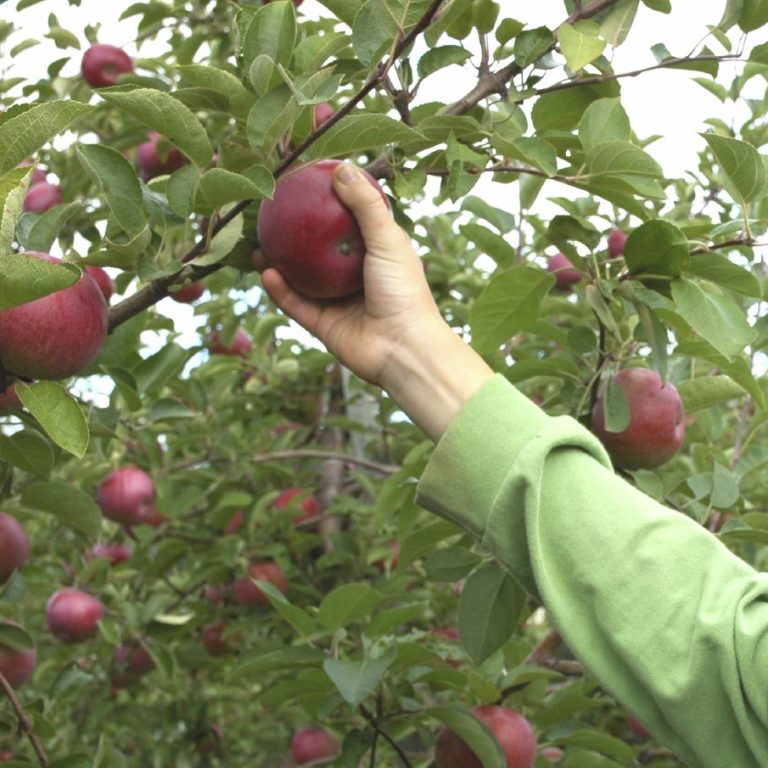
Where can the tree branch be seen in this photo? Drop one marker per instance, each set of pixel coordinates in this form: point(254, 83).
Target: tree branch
point(309, 453)
point(374, 722)
point(25, 724)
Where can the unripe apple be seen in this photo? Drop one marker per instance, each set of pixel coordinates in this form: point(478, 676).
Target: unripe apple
point(215, 642)
point(188, 293)
point(309, 507)
point(16, 666)
point(321, 113)
point(245, 592)
point(310, 236)
point(131, 660)
point(56, 336)
point(41, 197)
point(313, 746)
point(616, 242)
point(116, 553)
point(127, 496)
point(14, 546)
point(9, 399)
point(73, 615)
point(150, 162)
point(656, 421)
point(240, 345)
point(103, 280)
point(566, 275)
point(102, 64)
point(511, 729)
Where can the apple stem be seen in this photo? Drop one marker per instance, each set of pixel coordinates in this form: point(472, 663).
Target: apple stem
point(25, 724)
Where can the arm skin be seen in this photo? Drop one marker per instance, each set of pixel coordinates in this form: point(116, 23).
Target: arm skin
point(665, 616)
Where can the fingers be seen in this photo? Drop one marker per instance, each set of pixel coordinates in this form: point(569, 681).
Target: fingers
point(304, 312)
point(362, 195)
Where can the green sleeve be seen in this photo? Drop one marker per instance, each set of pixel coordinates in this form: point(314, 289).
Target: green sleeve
point(664, 615)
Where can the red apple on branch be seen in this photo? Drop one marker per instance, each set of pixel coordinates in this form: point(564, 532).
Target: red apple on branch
point(566, 275)
point(321, 113)
point(616, 242)
point(153, 162)
point(16, 666)
point(309, 506)
point(188, 293)
point(127, 496)
point(656, 421)
point(9, 399)
point(56, 336)
point(513, 732)
point(103, 63)
point(240, 345)
point(116, 553)
point(214, 640)
point(310, 236)
point(41, 197)
point(245, 592)
point(314, 746)
point(131, 661)
point(103, 280)
point(14, 546)
point(73, 615)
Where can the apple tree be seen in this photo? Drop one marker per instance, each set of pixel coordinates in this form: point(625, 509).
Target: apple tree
point(210, 552)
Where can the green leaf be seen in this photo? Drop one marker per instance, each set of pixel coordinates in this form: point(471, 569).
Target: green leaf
point(661, 6)
point(742, 165)
point(441, 57)
point(168, 116)
point(222, 244)
point(58, 413)
point(657, 247)
point(476, 735)
point(615, 27)
point(510, 303)
point(603, 743)
point(270, 117)
point(730, 14)
point(718, 269)
point(604, 120)
point(616, 407)
point(22, 135)
point(355, 133)
point(612, 158)
point(272, 32)
point(356, 680)
point(347, 604)
point(378, 24)
point(117, 179)
point(225, 83)
point(580, 43)
point(706, 391)
point(16, 638)
point(450, 564)
point(24, 278)
point(218, 187)
point(490, 243)
point(299, 619)
point(29, 451)
point(156, 370)
point(489, 609)
point(74, 508)
point(713, 314)
point(754, 14)
point(13, 188)
point(43, 233)
point(532, 44)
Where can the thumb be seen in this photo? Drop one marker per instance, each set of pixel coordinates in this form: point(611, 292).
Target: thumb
point(361, 193)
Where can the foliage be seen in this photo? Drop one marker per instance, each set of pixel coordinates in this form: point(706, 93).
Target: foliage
point(352, 644)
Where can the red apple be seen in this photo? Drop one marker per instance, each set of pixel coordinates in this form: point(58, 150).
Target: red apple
point(38, 174)
point(552, 754)
point(214, 640)
point(565, 273)
point(309, 507)
point(150, 162)
point(310, 236)
point(214, 594)
point(511, 729)
point(115, 553)
point(313, 746)
point(103, 280)
point(321, 113)
point(656, 421)
point(41, 197)
point(14, 546)
point(73, 615)
point(131, 661)
point(188, 293)
point(56, 336)
point(637, 728)
point(245, 592)
point(6, 755)
point(9, 399)
point(240, 345)
point(102, 64)
point(127, 496)
point(16, 666)
point(616, 242)
point(235, 523)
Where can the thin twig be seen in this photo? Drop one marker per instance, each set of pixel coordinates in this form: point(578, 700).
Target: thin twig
point(25, 724)
point(310, 453)
point(374, 722)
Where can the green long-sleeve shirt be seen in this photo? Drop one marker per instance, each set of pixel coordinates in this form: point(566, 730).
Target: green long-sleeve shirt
point(664, 615)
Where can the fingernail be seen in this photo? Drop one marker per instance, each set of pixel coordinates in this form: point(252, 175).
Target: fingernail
point(347, 173)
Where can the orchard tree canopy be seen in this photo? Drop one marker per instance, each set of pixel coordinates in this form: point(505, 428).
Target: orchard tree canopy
point(210, 552)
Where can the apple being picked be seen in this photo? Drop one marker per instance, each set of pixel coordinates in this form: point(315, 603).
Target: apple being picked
point(314, 746)
point(245, 592)
point(127, 496)
point(73, 615)
point(41, 197)
point(14, 546)
point(566, 275)
point(310, 236)
point(102, 64)
point(56, 336)
point(513, 732)
point(16, 666)
point(656, 421)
